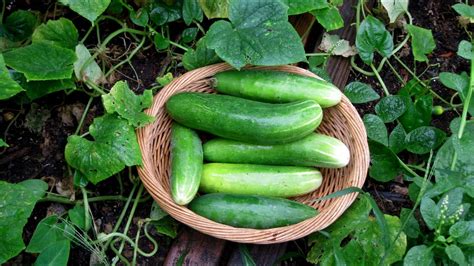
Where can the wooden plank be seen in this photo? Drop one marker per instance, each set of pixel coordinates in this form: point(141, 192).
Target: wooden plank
point(261, 254)
point(198, 249)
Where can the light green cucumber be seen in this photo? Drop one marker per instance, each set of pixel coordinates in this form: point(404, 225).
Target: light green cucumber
point(186, 164)
point(313, 150)
point(276, 86)
point(264, 180)
point(245, 120)
point(246, 211)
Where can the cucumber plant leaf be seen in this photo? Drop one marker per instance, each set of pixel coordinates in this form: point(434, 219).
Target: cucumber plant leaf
point(9, 87)
point(16, 204)
point(46, 232)
point(423, 139)
point(189, 34)
point(417, 113)
point(3, 143)
point(329, 18)
point(422, 42)
point(42, 61)
point(373, 37)
point(90, 72)
point(19, 25)
point(465, 50)
point(139, 17)
point(38, 89)
point(357, 235)
point(465, 10)
point(215, 8)
point(459, 83)
point(128, 105)
point(191, 11)
point(390, 108)
point(235, 41)
point(376, 129)
point(396, 140)
point(161, 42)
point(384, 163)
point(359, 92)
point(56, 254)
point(296, 7)
point(114, 147)
point(201, 56)
point(61, 32)
point(395, 8)
point(419, 255)
point(78, 217)
point(334, 45)
point(90, 9)
point(162, 13)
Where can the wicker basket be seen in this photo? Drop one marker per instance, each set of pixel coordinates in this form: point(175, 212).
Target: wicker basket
point(341, 121)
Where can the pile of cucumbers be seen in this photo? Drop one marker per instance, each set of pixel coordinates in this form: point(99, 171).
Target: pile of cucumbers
point(266, 149)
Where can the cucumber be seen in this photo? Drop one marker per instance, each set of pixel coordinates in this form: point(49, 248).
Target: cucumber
point(245, 120)
point(186, 164)
point(313, 150)
point(247, 211)
point(276, 86)
point(263, 180)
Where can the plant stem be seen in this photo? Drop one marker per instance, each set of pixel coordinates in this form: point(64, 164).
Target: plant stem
point(129, 57)
point(318, 54)
point(84, 114)
point(467, 101)
point(380, 80)
point(178, 45)
point(135, 248)
point(51, 197)
point(395, 72)
point(406, 167)
point(95, 87)
point(409, 71)
point(87, 216)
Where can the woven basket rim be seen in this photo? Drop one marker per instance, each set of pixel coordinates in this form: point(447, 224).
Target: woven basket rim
point(150, 141)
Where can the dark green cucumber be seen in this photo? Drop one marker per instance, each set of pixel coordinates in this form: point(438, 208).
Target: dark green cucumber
point(186, 164)
point(313, 150)
point(245, 120)
point(263, 180)
point(247, 211)
point(276, 86)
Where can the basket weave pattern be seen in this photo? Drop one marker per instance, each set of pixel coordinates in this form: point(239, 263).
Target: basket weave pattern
point(341, 121)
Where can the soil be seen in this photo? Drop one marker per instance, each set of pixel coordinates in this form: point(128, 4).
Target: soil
point(38, 134)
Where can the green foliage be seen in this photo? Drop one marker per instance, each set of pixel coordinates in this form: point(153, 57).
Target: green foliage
point(115, 146)
point(9, 86)
point(396, 140)
point(215, 8)
point(46, 232)
point(334, 45)
point(459, 83)
point(235, 41)
point(61, 32)
point(296, 7)
point(376, 129)
point(90, 72)
point(395, 8)
point(329, 18)
point(42, 61)
point(465, 49)
point(3, 143)
point(465, 10)
point(201, 56)
point(373, 37)
point(189, 34)
point(78, 217)
point(38, 89)
point(359, 92)
point(355, 239)
point(412, 229)
point(418, 113)
point(430, 212)
point(162, 222)
point(419, 255)
point(139, 17)
point(422, 42)
point(191, 11)
point(161, 42)
point(16, 204)
point(128, 105)
point(55, 254)
point(18, 26)
point(385, 165)
point(390, 108)
point(90, 9)
point(455, 254)
point(162, 13)
point(423, 139)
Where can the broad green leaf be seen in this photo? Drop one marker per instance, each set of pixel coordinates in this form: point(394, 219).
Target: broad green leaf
point(376, 129)
point(157, 213)
point(215, 8)
point(412, 229)
point(3, 143)
point(161, 42)
point(419, 255)
point(359, 92)
point(139, 17)
point(395, 8)
point(423, 139)
point(38, 89)
point(166, 226)
point(115, 146)
point(316, 61)
point(422, 42)
point(235, 42)
point(413, 88)
point(417, 113)
point(296, 7)
point(162, 13)
point(463, 232)
point(356, 235)
point(430, 212)
point(191, 11)
point(245, 256)
point(61, 32)
point(189, 34)
point(459, 83)
point(200, 57)
point(165, 79)
point(322, 73)
point(90, 9)
point(8, 86)
point(19, 25)
point(329, 18)
point(390, 108)
point(90, 72)
point(465, 49)
point(334, 45)
point(16, 204)
point(46, 233)
point(384, 163)
point(373, 37)
point(455, 254)
point(78, 217)
point(454, 197)
point(42, 61)
point(128, 105)
point(465, 10)
point(396, 140)
point(55, 254)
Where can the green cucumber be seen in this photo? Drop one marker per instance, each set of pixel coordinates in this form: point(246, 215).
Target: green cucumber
point(313, 150)
point(263, 180)
point(245, 120)
point(186, 164)
point(276, 86)
point(247, 211)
